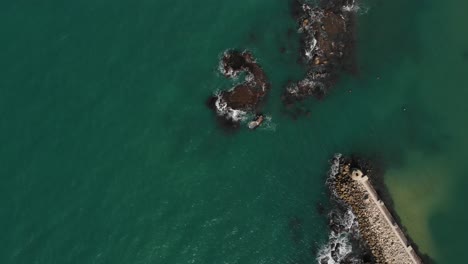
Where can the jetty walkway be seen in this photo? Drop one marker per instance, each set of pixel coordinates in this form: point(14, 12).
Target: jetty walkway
point(391, 241)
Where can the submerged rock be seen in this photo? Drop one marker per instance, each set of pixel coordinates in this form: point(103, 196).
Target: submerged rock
point(327, 40)
point(235, 104)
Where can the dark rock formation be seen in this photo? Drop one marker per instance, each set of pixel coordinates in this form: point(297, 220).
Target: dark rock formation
point(233, 105)
point(327, 40)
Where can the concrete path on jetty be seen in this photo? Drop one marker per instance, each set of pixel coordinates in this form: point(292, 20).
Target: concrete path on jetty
point(391, 234)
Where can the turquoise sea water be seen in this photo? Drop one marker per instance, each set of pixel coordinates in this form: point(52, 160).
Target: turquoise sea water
point(109, 155)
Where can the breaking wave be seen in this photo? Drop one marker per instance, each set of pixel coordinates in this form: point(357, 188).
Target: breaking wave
point(268, 124)
point(223, 110)
point(339, 247)
point(309, 52)
point(334, 168)
point(354, 7)
point(343, 241)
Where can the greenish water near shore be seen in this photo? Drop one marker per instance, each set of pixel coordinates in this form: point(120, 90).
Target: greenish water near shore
point(109, 154)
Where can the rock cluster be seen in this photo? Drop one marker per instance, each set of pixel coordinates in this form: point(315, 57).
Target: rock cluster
point(233, 105)
point(378, 233)
point(327, 39)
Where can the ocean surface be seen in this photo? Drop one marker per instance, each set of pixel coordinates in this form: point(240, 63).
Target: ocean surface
point(108, 153)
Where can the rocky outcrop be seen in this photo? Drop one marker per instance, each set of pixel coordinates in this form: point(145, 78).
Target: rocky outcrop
point(327, 38)
point(235, 104)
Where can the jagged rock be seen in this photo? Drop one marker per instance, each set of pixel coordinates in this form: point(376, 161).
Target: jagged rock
point(234, 104)
point(327, 40)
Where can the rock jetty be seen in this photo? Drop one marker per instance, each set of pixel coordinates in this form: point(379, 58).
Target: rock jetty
point(380, 232)
point(327, 39)
point(235, 104)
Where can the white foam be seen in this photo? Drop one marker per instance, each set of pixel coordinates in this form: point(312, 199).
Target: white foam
point(268, 124)
point(343, 251)
point(292, 89)
point(339, 242)
point(309, 52)
point(348, 227)
point(223, 110)
point(229, 72)
point(335, 167)
point(350, 8)
point(224, 69)
point(353, 7)
point(315, 14)
point(307, 82)
point(249, 77)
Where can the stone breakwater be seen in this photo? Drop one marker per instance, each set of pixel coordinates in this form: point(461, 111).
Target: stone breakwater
point(377, 227)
